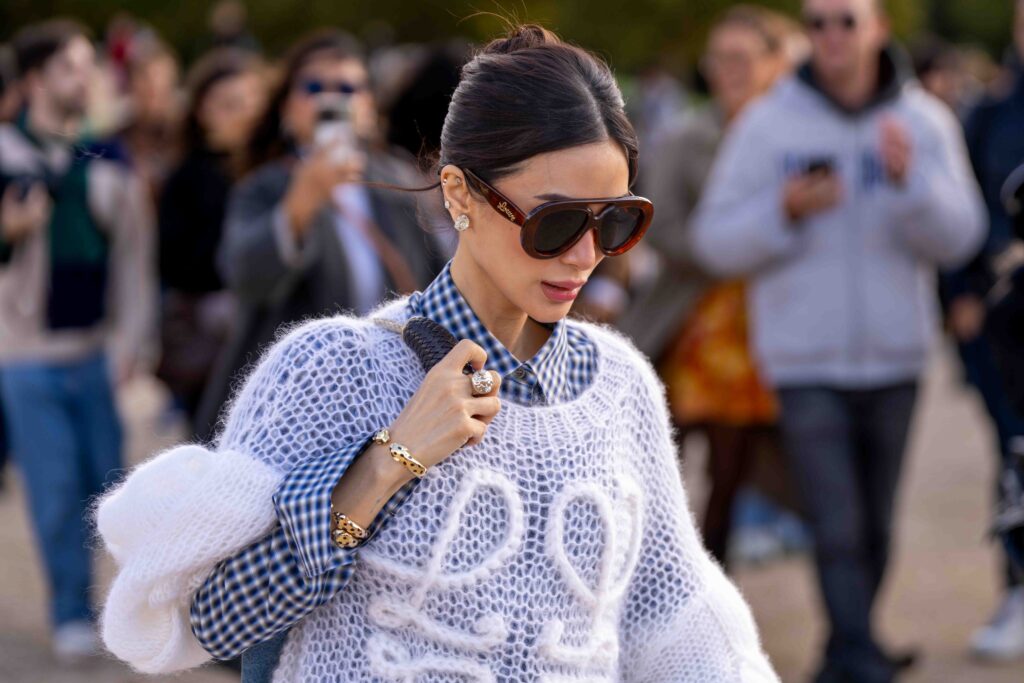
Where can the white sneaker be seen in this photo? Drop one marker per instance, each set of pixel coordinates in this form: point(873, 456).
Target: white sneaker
point(1002, 638)
point(75, 641)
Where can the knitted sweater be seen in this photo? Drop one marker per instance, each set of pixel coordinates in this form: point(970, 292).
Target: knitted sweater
point(561, 548)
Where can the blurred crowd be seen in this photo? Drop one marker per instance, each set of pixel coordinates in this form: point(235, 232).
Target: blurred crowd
point(820, 190)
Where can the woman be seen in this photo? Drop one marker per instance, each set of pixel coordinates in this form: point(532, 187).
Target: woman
point(699, 330)
point(549, 539)
point(226, 94)
point(154, 109)
point(303, 237)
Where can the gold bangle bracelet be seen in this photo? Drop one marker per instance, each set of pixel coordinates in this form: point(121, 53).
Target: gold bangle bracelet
point(346, 533)
point(399, 453)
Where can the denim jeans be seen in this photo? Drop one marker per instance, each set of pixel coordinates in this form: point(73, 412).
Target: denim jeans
point(845, 450)
point(65, 438)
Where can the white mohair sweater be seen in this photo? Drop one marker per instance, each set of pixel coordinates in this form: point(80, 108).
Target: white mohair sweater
point(559, 549)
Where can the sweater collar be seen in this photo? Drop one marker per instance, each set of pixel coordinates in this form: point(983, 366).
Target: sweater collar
point(545, 378)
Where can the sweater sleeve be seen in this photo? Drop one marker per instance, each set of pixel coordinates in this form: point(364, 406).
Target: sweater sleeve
point(219, 549)
point(129, 213)
point(683, 620)
point(940, 214)
point(275, 582)
point(258, 251)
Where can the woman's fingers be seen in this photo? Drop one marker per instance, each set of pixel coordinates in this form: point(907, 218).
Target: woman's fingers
point(465, 352)
point(476, 429)
point(483, 407)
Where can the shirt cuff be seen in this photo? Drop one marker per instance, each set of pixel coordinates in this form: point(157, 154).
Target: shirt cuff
point(303, 504)
point(288, 246)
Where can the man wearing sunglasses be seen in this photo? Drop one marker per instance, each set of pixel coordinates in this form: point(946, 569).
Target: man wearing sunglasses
point(839, 194)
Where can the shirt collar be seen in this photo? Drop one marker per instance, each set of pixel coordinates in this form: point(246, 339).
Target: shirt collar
point(442, 302)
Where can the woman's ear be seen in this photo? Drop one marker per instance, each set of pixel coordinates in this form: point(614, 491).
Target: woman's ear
point(456, 194)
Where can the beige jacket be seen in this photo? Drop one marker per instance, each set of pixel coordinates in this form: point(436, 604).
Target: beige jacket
point(121, 207)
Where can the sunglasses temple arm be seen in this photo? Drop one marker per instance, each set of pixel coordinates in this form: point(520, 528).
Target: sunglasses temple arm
point(497, 200)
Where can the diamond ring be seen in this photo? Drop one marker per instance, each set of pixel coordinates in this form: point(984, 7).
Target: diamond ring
point(482, 381)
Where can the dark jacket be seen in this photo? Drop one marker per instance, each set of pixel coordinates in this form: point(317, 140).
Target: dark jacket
point(272, 293)
point(995, 142)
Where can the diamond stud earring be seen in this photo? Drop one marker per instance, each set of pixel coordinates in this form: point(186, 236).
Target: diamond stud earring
point(462, 222)
point(447, 204)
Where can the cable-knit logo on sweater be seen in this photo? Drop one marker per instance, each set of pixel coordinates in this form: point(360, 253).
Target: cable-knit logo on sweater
point(616, 563)
point(394, 612)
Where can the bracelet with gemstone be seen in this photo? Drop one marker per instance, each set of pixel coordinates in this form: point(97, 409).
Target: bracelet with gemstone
point(346, 533)
point(399, 453)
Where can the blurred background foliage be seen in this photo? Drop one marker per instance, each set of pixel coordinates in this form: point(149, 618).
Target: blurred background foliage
point(632, 34)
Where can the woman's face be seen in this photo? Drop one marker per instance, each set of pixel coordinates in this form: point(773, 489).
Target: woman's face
point(153, 87)
point(300, 107)
point(542, 288)
point(738, 66)
point(229, 110)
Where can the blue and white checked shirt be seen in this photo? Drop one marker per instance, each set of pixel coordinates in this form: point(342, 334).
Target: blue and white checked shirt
point(278, 580)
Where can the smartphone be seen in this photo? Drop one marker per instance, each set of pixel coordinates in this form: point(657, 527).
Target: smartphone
point(334, 125)
point(821, 165)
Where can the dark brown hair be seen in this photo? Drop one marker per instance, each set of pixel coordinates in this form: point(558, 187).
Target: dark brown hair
point(268, 141)
point(527, 94)
point(212, 68)
point(35, 44)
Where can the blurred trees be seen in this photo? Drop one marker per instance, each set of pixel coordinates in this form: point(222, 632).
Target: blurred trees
point(633, 33)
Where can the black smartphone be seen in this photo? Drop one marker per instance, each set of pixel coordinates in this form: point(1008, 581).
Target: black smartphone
point(821, 165)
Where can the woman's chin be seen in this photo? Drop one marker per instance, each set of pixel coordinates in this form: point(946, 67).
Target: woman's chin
point(545, 311)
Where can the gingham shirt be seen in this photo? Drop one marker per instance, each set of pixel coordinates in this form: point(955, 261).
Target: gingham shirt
point(278, 580)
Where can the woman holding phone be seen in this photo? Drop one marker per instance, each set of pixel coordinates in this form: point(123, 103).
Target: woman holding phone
point(304, 235)
point(363, 520)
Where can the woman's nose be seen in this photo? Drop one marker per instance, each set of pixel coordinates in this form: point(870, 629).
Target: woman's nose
point(585, 254)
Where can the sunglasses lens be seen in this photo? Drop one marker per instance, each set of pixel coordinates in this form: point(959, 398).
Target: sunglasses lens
point(618, 226)
point(312, 87)
point(815, 23)
point(558, 229)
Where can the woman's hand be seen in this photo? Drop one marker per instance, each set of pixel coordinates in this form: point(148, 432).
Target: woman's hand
point(312, 182)
point(444, 415)
point(441, 417)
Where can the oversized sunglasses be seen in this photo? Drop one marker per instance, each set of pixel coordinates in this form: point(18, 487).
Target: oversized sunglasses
point(819, 22)
point(554, 227)
point(313, 86)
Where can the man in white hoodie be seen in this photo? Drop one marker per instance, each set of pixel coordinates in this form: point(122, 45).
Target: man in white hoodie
point(839, 194)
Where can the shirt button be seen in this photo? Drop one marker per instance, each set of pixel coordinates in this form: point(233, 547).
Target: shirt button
point(519, 373)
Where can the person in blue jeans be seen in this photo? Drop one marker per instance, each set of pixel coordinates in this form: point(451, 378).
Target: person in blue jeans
point(76, 300)
point(839, 194)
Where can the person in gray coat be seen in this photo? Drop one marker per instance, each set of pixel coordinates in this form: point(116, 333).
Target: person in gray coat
point(308, 232)
point(839, 194)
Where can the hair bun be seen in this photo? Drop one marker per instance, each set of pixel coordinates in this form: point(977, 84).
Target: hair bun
point(522, 37)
